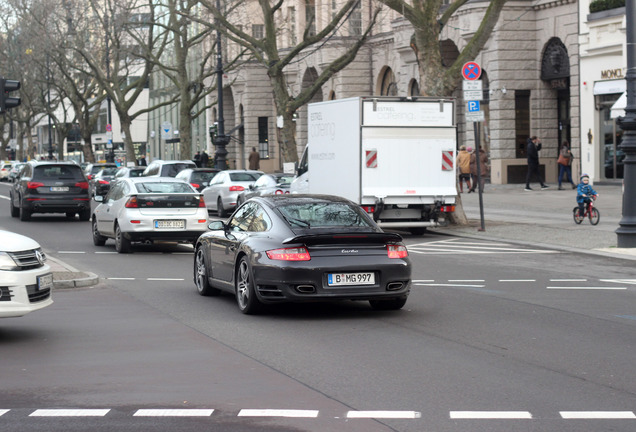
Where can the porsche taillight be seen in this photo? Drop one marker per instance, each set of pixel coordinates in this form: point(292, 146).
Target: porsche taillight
point(397, 251)
point(289, 254)
point(132, 202)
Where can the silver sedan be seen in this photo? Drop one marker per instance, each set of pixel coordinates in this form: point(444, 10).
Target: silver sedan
point(223, 190)
point(145, 209)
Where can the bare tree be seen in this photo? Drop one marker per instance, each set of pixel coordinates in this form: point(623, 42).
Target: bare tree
point(271, 55)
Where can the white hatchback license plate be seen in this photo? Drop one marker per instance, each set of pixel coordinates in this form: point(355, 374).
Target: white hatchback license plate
point(336, 279)
point(59, 188)
point(45, 282)
point(179, 224)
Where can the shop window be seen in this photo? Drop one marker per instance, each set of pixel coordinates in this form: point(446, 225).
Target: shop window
point(263, 137)
point(522, 122)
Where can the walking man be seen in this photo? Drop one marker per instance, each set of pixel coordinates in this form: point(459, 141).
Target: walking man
point(532, 149)
point(204, 160)
point(254, 160)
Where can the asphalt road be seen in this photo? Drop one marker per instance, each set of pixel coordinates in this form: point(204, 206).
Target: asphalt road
point(494, 337)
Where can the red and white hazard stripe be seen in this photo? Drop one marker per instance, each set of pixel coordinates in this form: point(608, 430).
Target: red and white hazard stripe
point(372, 158)
point(447, 160)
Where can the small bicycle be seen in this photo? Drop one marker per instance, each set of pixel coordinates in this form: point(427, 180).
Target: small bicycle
point(589, 211)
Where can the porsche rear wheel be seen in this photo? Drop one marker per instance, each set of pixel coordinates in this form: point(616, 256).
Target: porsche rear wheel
point(201, 275)
point(246, 298)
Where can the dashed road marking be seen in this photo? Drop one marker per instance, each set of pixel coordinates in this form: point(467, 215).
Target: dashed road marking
point(69, 413)
point(568, 280)
point(490, 415)
point(278, 413)
point(621, 281)
point(517, 280)
point(585, 288)
point(384, 414)
point(597, 415)
point(3, 411)
point(456, 246)
point(173, 413)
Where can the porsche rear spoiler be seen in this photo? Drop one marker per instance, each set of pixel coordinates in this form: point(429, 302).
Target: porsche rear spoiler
point(335, 238)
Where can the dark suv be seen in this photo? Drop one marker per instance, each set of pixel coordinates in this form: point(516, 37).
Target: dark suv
point(50, 187)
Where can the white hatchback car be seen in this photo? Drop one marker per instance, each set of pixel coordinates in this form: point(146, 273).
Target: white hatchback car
point(26, 280)
point(145, 209)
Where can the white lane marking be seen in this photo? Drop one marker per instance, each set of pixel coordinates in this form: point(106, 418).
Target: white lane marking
point(71, 252)
point(568, 280)
point(490, 415)
point(385, 414)
point(3, 411)
point(450, 285)
point(277, 413)
point(69, 413)
point(164, 279)
point(466, 280)
point(625, 281)
point(4, 197)
point(173, 413)
point(584, 288)
point(597, 415)
point(517, 280)
point(120, 278)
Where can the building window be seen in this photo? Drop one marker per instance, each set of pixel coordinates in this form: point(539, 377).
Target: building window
point(310, 16)
point(263, 137)
point(258, 31)
point(355, 20)
point(522, 122)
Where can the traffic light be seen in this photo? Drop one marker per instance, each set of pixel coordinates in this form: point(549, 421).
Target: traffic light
point(213, 130)
point(7, 86)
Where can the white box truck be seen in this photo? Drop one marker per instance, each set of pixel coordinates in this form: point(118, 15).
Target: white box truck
point(393, 156)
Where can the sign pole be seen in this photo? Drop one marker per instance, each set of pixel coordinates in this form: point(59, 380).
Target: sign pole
point(476, 128)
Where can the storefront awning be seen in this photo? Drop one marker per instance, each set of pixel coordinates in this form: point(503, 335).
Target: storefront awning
point(618, 109)
point(609, 87)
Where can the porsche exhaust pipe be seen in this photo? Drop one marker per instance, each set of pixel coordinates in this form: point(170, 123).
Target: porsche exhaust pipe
point(306, 289)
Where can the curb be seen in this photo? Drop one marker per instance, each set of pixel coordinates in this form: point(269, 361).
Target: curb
point(79, 278)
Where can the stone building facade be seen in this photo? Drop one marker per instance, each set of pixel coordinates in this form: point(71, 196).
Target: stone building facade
point(530, 81)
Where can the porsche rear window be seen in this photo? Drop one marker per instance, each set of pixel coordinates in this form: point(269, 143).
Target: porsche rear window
point(157, 187)
point(322, 214)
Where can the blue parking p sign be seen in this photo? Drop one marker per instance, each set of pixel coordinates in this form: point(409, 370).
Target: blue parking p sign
point(473, 106)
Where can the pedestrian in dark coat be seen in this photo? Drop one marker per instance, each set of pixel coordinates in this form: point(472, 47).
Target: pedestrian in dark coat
point(532, 149)
point(483, 169)
point(204, 159)
point(197, 159)
point(254, 159)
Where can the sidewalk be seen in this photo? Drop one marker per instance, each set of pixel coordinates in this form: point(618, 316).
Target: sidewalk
point(544, 218)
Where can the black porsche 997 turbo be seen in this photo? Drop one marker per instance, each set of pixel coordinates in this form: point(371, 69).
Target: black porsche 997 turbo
point(301, 248)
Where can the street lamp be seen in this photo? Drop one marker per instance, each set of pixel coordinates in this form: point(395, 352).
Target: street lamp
point(220, 140)
point(627, 230)
point(48, 88)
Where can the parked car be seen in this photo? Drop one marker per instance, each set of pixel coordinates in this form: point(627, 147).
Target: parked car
point(302, 248)
point(129, 172)
point(25, 278)
point(50, 187)
point(100, 183)
point(167, 168)
point(267, 184)
point(15, 171)
point(145, 209)
point(199, 178)
point(223, 190)
point(94, 168)
point(5, 168)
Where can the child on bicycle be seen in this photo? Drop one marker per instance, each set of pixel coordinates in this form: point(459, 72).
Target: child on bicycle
point(584, 193)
